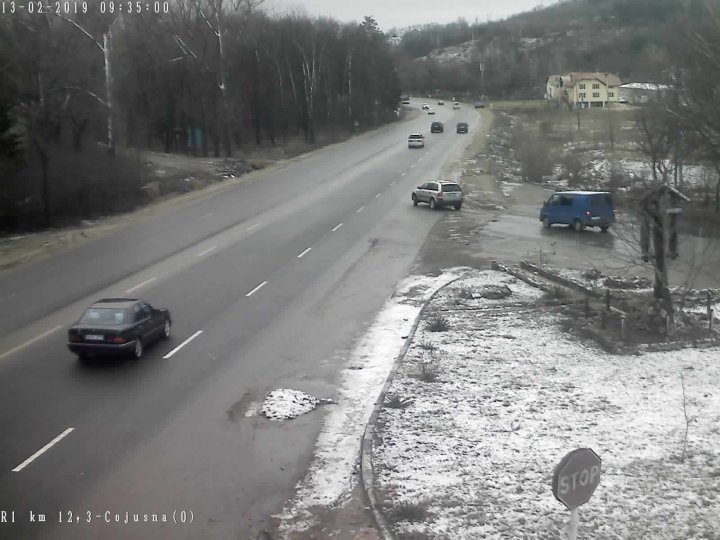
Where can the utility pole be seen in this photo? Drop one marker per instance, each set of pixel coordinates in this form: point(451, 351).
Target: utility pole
point(482, 81)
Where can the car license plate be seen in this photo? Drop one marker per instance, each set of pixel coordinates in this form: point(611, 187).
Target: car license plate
point(598, 217)
point(93, 337)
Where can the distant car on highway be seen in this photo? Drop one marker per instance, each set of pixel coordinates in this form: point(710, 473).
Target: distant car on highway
point(405, 101)
point(462, 127)
point(425, 106)
point(431, 111)
point(117, 326)
point(438, 193)
point(456, 105)
point(437, 127)
point(441, 102)
point(416, 140)
point(480, 105)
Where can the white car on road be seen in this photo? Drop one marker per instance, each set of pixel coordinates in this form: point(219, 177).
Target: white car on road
point(416, 140)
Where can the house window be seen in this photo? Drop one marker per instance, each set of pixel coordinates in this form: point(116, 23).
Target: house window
point(611, 94)
point(596, 86)
point(596, 94)
point(582, 95)
point(582, 86)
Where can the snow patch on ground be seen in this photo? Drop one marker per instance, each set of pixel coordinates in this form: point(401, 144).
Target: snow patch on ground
point(284, 404)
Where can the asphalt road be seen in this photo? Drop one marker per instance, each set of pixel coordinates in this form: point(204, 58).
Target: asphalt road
point(273, 279)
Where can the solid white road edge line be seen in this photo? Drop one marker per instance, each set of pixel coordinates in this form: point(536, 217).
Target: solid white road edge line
point(33, 340)
point(208, 250)
point(256, 289)
point(304, 253)
point(131, 289)
point(188, 340)
point(336, 227)
point(44, 449)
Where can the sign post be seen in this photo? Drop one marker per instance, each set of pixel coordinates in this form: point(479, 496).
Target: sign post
point(574, 481)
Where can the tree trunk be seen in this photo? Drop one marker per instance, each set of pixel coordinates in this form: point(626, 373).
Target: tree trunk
point(44, 165)
point(78, 128)
point(107, 39)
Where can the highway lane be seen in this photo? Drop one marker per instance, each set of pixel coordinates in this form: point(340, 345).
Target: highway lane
point(31, 291)
point(163, 431)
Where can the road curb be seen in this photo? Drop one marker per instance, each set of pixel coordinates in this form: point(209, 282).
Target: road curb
point(367, 477)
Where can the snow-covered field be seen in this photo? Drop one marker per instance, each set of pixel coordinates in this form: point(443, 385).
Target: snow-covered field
point(485, 410)
point(474, 451)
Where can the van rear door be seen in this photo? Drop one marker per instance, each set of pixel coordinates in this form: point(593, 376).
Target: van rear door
point(602, 208)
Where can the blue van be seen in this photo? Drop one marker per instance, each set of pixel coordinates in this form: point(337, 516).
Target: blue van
point(579, 209)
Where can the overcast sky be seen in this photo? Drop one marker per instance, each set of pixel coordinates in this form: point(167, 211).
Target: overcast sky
point(401, 13)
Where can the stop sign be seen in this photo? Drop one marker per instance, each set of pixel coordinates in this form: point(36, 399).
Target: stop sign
point(576, 477)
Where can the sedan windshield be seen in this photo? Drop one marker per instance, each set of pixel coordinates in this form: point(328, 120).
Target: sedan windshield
point(103, 316)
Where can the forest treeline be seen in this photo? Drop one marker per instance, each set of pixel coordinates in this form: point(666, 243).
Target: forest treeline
point(206, 78)
point(625, 37)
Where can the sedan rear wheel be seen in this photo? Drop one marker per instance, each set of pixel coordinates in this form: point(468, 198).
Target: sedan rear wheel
point(546, 222)
point(432, 203)
point(166, 329)
point(138, 349)
point(458, 206)
point(414, 200)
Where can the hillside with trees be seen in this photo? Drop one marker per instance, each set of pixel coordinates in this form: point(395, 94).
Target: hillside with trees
point(625, 37)
point(81, 93)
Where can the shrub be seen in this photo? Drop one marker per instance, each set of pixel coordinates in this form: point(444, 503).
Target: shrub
point(437, 323)
point(412, 511)
point(428, 373)
point(396, 402)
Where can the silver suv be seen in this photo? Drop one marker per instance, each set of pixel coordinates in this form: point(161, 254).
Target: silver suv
point(438, 193)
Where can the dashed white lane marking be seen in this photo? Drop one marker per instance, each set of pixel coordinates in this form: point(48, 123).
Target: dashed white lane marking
point(256, 289)
point(378, 195)
point(394, 182)
point(253, 227)
point(336, 227)
point(44, 449)
point(403, 174)
point(30, 342)
point(413, 165)
point(304, 253)
point(131, 289)
point(359, 209)
point(208, 250)
point(188, 340)
point(8, 296)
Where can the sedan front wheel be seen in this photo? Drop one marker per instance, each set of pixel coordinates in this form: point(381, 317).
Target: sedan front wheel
point(433, 205)
point(166, 329)
point(414, 200)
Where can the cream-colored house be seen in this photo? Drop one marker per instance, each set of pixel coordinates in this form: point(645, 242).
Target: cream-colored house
point(582, 90)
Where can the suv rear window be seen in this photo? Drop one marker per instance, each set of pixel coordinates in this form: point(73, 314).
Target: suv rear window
point(451, 187)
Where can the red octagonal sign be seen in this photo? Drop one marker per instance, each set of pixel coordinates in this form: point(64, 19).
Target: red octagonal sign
point(576, 477)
